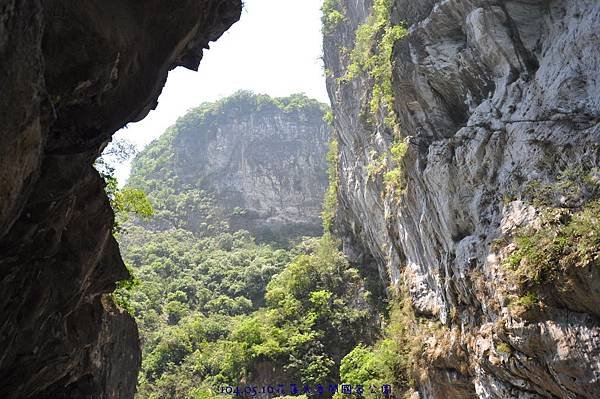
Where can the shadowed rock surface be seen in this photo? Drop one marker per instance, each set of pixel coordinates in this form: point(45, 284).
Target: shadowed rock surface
point(499, 103)
point(71, 74)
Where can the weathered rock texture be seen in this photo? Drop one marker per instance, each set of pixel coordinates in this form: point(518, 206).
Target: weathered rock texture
point(261, 160)
point(72, 73)
point(491, 96)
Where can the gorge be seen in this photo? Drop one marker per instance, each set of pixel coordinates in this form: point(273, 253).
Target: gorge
point(459, 255)
point(234, 288)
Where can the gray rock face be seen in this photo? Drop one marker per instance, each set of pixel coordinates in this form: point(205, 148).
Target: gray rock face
point(262, 160)
point(491, 97)
point(71, 74)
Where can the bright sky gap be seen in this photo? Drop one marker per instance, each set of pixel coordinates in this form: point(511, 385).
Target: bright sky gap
point(274, 49)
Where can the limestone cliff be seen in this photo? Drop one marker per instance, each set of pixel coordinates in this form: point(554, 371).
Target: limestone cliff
point(473, 182)
point(259, 161)
point(72, 73)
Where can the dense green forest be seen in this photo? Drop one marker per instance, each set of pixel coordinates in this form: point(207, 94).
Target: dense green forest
point(225, 311)
point(220, 313)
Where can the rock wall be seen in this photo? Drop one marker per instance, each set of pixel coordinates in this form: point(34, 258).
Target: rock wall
point(261, 159)
point(71, 74)
point(494, 99)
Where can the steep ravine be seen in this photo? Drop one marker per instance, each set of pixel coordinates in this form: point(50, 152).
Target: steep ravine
point(494, 228)
point(229, 267)
point(71, 74)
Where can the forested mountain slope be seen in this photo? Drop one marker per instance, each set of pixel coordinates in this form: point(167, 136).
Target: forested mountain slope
point(261, 160)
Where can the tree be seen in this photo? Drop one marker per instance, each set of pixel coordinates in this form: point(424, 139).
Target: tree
point(124, 201)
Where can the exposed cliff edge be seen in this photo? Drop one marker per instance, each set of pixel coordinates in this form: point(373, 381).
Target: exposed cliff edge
point(71, 74)
point(473, 182)
point(254, 162)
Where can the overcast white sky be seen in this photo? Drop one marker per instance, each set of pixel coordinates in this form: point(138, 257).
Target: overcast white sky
point(274, 49)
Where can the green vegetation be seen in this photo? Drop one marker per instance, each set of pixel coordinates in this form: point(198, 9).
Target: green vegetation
point(329, 118)
point(332, 15)
point(377, 166)
point(372, 54)
point(395, 357)
point(311, 314)
point(398, 151)
point(370, 366)
point(523, 303)
point(226, 273)
point(566, 236)
point(393, 182)
point(189, 295)
point(180, 177)
point(211, 311)
point(124, 201)
point(187, 208)
point(216, 308)
point(503, 348)
point(330, 203)
point(572, 185)
point(394, 179)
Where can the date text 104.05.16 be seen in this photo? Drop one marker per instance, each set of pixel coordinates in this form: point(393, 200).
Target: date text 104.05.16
point(302, 389)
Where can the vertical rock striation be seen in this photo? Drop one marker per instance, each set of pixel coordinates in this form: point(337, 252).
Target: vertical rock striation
point(499, 104)
point(71, 74)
